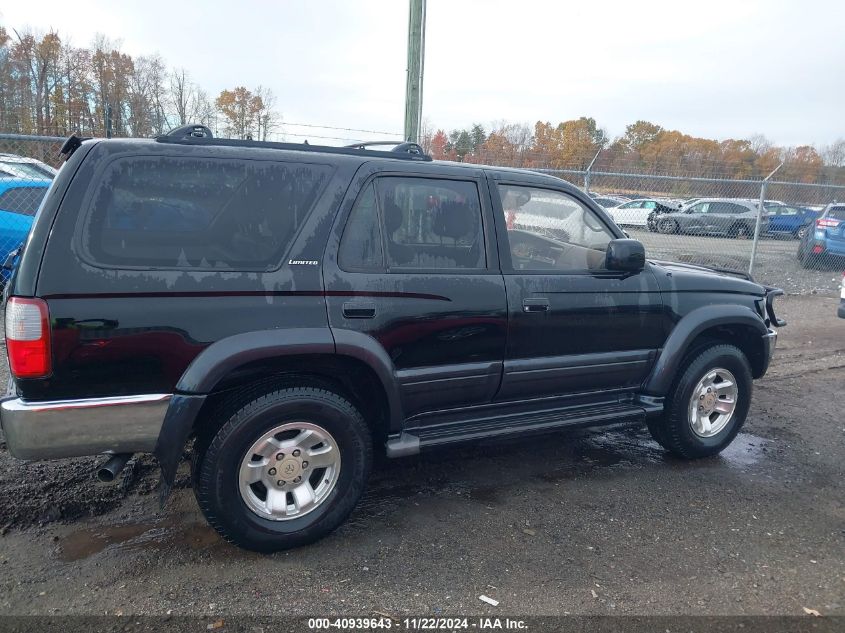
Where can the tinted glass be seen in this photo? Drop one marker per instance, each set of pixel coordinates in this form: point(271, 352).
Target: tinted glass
point(837, 213)
point(23, 200)
point(550, 231)
point(431, 224)
point(360, 246)
point(202, 213)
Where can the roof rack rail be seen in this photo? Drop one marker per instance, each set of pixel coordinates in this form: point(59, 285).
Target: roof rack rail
point(401, 147)
point(201, 135)
point(191, 130)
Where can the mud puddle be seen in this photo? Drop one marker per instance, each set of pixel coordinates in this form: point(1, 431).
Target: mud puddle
point(129, 537)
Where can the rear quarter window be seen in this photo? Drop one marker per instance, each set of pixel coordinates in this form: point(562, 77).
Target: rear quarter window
point(198, 213)
point(837, 213)
point(23, 200)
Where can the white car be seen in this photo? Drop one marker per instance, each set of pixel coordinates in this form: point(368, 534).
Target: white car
point(14, 166)
point(636, 212)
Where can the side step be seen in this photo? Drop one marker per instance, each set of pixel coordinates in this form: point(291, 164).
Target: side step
point(416, 439)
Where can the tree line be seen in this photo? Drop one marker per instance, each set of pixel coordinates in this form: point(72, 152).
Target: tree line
point(644, 148)
point(50, 87)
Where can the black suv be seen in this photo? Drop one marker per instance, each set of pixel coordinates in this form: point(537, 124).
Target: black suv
point(290, 309)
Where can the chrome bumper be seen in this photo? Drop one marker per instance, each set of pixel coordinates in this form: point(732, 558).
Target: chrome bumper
point(73, 428)
point(771, 343)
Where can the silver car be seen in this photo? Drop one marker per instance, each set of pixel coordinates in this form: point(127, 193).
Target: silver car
point(715, 216)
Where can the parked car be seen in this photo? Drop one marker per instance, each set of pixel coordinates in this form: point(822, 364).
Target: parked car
point(841, 310)
point(672, 205)
point(19, 200)
point(790, 220)
point(715, 216)
point(637, 212)
point(824, 243)
point(22, 167)
point(319, 304)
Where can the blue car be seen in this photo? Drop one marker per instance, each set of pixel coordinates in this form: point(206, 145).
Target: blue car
point(824, 242)
point(19, 200)
point(790, 221)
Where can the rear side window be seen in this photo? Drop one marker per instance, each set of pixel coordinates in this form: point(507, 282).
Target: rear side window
point(361, 244)
point(23, 200)
point(414, 224)
point(431, 224)
point(837, 213)
point(198, 213)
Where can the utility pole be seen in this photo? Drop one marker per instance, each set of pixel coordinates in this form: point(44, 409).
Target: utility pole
point(416, 55)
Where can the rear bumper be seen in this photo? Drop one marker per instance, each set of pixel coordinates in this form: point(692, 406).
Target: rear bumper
point(73, 428)
point(841, 311)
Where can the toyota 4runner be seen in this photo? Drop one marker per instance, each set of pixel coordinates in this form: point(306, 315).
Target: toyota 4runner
point(289, 309)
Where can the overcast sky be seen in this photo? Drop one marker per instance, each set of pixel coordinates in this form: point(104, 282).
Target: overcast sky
point(720, 69)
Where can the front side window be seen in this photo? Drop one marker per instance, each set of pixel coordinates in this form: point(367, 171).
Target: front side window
point(552, 231)
point(701, 207)
point(198, 213)
point(431, 224)
point(649, 204)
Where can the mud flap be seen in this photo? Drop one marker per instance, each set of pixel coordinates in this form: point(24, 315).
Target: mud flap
point(178, 422)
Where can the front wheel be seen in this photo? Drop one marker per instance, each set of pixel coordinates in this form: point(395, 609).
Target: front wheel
point(284, 470)
point(669, 227)
point(708, 403)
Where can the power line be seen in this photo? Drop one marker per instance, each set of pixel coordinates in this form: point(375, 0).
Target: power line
point(342, 129)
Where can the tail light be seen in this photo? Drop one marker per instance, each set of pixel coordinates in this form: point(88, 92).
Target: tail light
point(827, 223)
point(28, 337)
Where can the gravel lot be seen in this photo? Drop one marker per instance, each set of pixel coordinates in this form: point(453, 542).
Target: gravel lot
point(776, 262)
point(587, 523)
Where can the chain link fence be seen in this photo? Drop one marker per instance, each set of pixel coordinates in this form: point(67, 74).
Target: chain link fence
point(27, 166)
point(687, 218)
point(717, 222)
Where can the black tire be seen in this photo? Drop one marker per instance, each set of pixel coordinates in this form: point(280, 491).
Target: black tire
point(740, 232)
point(801, 231)
point(673, 430)
point(668, 227)
point(219, 454)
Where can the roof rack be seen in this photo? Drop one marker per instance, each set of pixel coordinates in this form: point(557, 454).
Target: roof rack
point(191, 130)
point(361, 149)
point(399, 147)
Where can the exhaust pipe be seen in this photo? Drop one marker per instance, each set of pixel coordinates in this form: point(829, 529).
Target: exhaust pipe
point(111, 469)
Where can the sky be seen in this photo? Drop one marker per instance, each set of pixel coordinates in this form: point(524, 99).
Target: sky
point(718, 69)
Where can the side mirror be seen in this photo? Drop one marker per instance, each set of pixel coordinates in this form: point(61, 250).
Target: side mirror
point(625, 255)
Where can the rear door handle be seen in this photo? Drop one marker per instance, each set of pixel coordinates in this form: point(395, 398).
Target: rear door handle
point(536, 304)
point(358, 310)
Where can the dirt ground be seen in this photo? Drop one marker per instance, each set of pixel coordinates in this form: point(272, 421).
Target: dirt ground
point(600, 522)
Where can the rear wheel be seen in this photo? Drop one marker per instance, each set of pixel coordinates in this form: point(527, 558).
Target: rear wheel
point(801, 232)
point(708, 403)
point(283, 470)
point(668, 226)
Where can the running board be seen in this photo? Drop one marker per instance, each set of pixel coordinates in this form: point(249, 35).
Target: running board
point(413, 441)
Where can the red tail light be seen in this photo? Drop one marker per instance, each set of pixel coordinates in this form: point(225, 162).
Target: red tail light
point(827, 222)
point(28, 337)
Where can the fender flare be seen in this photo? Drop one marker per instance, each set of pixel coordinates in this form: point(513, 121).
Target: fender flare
point(663, 373)
point(221, 357)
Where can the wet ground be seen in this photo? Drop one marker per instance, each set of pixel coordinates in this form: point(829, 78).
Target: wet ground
point(584, 523)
